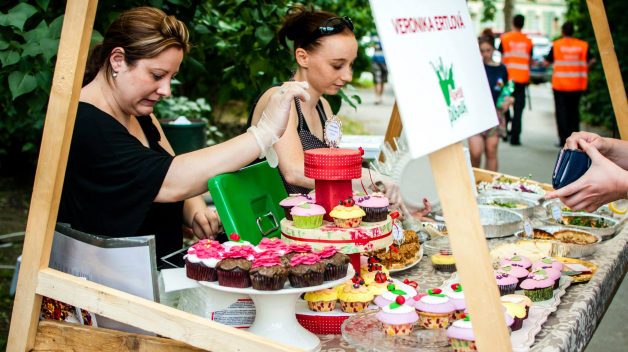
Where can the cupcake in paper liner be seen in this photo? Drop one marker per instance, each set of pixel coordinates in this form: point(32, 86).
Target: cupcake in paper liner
point(267, 272)
point(322, 300)
point(550, 272)
point(292, 250)
point(336, 263)
point(397, 318)
point(506, 283)
point(305, 270)
point(379, 285)
point(293, 200)
point(509, 319)
point(236, 241)
point(517, 312)
point(517, 271)
point(516, 259)
point(354, 296)
point(375, 206)
point(521, 300)
point(273, 244)
point(201, 260)
point(347, 215)
point(233, 270)
point(391, 294)
point(307, 216)
point(373, 269)
point(435, 310)
point(548, 262)
point(461, 336)
point(538, 288)
point(456, 296)
point(444, 263)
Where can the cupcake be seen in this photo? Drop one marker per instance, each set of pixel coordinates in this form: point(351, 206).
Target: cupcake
point(233, 270)
point(267, 272)
point(521, 300)
point(517, 312)
point(435, 310)
point(292, 250)
point(538, 288)
point(548, 261)
point(444, 262)
point(336, 263)
point(306, 269)
point(516, 259)
point(354, 296)
point(509, 320)
point(201, 260)
point(457, 298)
point(307, 216)
point(552, 273)
point(373, 269)
point(379, 285)
point(375, 206)
point(292, 201)
point(235, 241)
point(339, 288)
point(461, 336)
point(391, 294)
point(517, 271)
point(273, 244)
point(322, 300)
point(506, 283)
point(397, 318)
point(347, 215)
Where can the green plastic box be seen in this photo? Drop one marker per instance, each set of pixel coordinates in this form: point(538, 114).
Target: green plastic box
point(248, 201)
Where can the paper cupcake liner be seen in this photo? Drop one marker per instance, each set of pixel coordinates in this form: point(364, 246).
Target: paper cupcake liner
point(263, 283)
point(233, 279)
point(375, 214)
point(521, 279)
point(434, 320)
point(507, 289)
point(307, 222)
point(457, 314)
point(463, 345)
point(556, 284)
point(445, 268)
point(527, 312)
point(335, 272)
point(306, 280)
point(347, 223)
point(287, 212)
point(540, 294)
point(353, 307)
point(322, 306)
point(199, 272)
point(517, 324)
point(403, 329)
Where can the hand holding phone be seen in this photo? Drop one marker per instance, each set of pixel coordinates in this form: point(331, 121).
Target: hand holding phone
point(570, 166)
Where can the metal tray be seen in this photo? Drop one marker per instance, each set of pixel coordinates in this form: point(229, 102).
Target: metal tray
point(605, 233)
point(568, 250)
point(440, 226)
point(510, 221)
point(527, 211)
point(604, 210)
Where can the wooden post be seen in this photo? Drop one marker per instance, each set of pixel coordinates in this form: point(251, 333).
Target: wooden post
point(469, 247)
point(393, 130)
point(610, 65)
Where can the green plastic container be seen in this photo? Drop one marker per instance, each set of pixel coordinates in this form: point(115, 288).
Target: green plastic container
point(248, 201)
point(185, 138)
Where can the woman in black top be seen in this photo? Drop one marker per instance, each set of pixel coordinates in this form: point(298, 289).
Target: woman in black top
point(497, 76)
point(122, 178)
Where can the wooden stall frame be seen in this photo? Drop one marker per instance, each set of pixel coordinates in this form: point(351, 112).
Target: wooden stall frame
point(37, 279)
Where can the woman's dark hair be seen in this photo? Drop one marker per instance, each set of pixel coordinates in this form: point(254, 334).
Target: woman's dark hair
point(299, 23)
point(143, 33)
point(487, 37)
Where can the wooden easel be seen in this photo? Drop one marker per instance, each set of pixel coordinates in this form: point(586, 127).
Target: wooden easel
point(37, 279)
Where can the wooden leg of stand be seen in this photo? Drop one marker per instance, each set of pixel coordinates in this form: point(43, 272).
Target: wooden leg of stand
point(393, 130)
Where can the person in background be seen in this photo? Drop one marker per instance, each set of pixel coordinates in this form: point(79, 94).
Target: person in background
point(572, 59)
point(516, 49)
point(497, 76)
point(379, 70)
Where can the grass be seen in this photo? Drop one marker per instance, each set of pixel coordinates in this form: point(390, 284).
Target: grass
point(352, 127)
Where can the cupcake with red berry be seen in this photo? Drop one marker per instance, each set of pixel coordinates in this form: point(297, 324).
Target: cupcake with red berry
point(354, 296)
point(347, 214)
point(379, 285)
point(201, 260)
point(456, 296)
point(461, 335)
point(336, 263)
point(292, 250)
point(397, 318)
point(234, 269)
point(307, 216)
point(236, 241)
point(267, 272)
point(435, 310)
point(305, 270)
point(292, 201)
point(375, 207)
point(391, 294)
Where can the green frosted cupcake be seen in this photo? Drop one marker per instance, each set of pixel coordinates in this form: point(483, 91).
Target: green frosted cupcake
point(307, 216)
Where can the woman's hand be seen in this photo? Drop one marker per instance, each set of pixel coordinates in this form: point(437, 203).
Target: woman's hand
point(505, 105)
point(599, 143)
point(206, 224)
point(604, 182)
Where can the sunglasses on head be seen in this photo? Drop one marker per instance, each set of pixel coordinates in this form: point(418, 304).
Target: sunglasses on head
point(333, 25)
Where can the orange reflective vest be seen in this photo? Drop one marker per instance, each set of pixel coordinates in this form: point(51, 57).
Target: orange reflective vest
point(517, 51)
point(570, 65)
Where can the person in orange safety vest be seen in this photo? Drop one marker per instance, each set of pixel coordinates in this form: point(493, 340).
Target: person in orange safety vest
point(571, 59)
point(516, 49)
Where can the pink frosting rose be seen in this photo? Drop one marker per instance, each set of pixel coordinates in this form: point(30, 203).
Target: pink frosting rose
point(305, 258)
point(327, 252)
point(272, 244)
point(267, 261)
point(299, 248)
point(206, 253)
point(243, 251)
point(209, 244)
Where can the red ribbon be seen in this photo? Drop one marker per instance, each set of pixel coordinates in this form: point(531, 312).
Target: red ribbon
point(336, 241)
point(392, 249)
point(413, 284)
point(333, 167)
point(368, 168)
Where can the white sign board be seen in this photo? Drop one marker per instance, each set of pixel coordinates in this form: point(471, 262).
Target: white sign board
point(439, 79)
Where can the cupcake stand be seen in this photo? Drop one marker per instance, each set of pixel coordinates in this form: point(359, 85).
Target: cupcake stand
point(275, 316)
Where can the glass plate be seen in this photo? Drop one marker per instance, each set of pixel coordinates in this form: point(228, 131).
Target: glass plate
point(364, 332)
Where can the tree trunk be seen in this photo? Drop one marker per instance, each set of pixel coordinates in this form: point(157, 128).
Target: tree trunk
point(509, 9)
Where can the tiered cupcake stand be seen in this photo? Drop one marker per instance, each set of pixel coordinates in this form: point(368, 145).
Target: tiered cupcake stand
point(275, 316)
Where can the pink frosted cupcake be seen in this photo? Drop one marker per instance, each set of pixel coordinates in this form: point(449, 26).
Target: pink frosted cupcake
point(375, 206)
point(456, 296)
point(294, 249)
point(292, 201)
point(397, 318)
point(516, 259)
point(233, 270)
point(307, 216)
point(388, 297)
point(305, 270)
point(435, 310)
point(506, 283)
point(201, 260)
point(538, 288)
point(553, 274)
point(548, 262)
point(517, 271)
point(273, 244)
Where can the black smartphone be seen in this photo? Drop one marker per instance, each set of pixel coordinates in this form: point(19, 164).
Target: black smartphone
point(571, 164)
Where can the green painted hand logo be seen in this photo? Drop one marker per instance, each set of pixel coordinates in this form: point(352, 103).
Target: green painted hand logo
point(446, 79)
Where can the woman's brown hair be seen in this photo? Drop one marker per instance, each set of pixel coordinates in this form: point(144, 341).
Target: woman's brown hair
point(487, 37)
point(299, 23)
point(143, 33)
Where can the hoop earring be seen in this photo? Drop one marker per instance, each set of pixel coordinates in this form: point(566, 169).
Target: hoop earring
point(115, 74)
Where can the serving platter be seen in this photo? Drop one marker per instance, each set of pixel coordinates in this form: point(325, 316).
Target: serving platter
point(560, 249)
point(581, 277)
point(419, 255)
point(605, 233)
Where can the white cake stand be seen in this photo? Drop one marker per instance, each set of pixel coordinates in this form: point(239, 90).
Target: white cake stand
point(275, 316)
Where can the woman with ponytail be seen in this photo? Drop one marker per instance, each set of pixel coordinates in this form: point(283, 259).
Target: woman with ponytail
point(122, 178)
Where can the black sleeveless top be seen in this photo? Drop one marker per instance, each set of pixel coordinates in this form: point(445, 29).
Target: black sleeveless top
point(112, 180)
point(308, 140)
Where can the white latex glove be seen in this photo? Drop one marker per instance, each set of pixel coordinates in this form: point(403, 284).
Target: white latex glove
point(391, 189)
point(274, 120)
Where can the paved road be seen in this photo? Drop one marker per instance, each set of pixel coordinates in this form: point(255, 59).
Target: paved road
point(536, 156)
